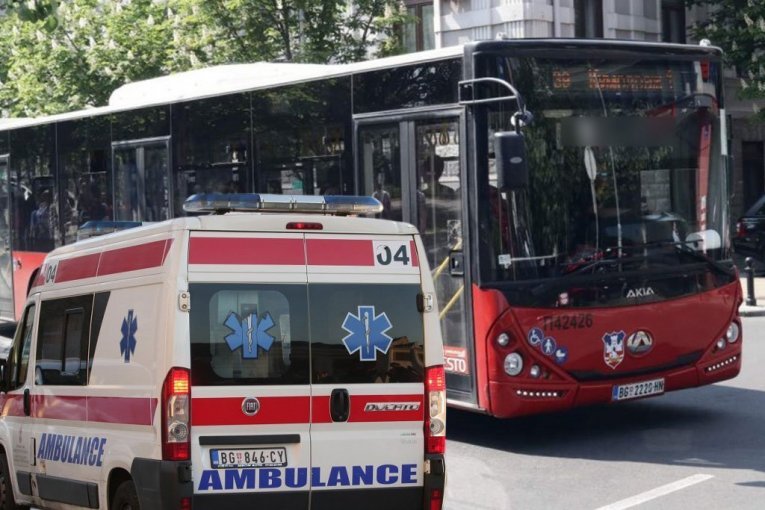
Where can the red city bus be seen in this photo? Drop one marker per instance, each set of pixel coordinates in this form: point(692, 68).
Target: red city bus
point(572, 196)
point(600, 225)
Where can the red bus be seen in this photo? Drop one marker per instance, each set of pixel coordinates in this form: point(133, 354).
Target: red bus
point(572, 196)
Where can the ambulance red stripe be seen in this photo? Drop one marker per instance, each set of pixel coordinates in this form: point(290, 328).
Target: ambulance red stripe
point(283, 410)
point(60, 408)
point(121, 410)
point(134, 258)
point(13, 405)
point(122, 260)
point(246, 250)
point(133, 411)
point(340, 252)
point(358, 413)
point(77, 268)
point(228, 411)
point(413, 249)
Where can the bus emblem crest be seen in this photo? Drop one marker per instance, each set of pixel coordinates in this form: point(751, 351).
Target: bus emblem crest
point(639, 343)
point(613, 348)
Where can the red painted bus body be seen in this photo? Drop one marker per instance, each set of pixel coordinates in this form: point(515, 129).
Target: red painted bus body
point(684, 351)
point(24, 265)
point(600, 267)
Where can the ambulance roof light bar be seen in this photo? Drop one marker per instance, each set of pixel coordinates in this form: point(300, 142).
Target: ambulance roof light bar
point(219, 203)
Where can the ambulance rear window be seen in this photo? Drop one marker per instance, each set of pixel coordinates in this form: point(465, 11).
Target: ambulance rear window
point(248, 334)
point(366, 333)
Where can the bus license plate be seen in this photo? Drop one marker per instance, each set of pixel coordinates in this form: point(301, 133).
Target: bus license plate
point(637, 390)
point(248, 457)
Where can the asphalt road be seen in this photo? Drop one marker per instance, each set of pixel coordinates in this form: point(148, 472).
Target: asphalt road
point(692, 449)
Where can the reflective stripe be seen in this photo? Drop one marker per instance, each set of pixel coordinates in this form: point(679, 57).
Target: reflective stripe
point(111, 262)
point(246, 250)
point(122, 410)
point(340, 252)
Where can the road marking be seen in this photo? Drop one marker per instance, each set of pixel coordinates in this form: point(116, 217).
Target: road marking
point(641, 498)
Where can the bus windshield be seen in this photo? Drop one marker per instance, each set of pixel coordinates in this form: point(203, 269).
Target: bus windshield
point(625, 170)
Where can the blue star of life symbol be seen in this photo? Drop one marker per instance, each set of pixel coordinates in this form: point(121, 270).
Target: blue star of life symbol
point(367, 333)
point(249, 334)
point(127, 344)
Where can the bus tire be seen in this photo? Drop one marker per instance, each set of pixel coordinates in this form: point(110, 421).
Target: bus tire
point(7, 501)
point(126, 497)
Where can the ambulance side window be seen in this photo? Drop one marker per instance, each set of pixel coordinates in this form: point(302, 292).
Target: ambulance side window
point(248, 334)
point(62, 341)
point(20, 361)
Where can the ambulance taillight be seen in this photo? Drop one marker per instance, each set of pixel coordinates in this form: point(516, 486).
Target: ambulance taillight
point(176, 414)
point(435, 419)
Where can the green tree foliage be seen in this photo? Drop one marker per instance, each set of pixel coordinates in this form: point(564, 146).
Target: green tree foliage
point(738, 27)
point(58, 56)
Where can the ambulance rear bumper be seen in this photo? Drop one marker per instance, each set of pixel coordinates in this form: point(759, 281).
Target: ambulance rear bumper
point(400, 498)
point(163, 484)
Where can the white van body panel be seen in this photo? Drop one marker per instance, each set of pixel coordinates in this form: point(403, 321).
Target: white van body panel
point(98, 410)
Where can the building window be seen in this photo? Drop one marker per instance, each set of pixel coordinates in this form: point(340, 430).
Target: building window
point(417, 33)
point(588, 18)
point(673, 21)
point(753, 163)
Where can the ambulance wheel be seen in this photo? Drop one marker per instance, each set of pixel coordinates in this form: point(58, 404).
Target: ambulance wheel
point(126, 498)
point(6, 490)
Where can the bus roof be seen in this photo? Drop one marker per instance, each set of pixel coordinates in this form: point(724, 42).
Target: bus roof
point(233, 78)
point(226, 79)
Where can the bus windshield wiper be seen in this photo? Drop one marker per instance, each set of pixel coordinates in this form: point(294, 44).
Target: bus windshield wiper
point(589, 267)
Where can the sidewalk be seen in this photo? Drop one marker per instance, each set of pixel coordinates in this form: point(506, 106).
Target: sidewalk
point(759, 296)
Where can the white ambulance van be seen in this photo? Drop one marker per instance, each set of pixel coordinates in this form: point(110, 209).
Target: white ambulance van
point(277, 353)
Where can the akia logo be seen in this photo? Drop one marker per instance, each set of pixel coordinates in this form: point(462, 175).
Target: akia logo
point(640, 292)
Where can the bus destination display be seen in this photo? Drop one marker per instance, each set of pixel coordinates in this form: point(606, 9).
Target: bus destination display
point(632, 80)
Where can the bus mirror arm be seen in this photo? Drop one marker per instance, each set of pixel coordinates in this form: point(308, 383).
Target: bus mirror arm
point(511, 166)
point(3, 370)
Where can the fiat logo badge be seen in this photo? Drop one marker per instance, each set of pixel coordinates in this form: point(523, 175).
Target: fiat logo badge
point(250, 406)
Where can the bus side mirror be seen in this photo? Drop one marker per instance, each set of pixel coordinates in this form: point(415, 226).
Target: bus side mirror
point(510, 152)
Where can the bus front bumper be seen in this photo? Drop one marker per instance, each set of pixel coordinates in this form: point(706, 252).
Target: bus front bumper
point(510, 399)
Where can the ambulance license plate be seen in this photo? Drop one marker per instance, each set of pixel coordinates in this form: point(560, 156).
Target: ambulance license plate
point(248, 457)
point(637, 390)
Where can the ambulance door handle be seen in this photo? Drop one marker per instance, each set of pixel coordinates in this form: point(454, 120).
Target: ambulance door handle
point(27, 402)
point(339, 405)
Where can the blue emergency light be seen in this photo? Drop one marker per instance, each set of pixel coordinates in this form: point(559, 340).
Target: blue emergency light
point(255, 202)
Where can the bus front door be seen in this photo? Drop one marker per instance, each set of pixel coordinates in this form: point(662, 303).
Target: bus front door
point(416, 168)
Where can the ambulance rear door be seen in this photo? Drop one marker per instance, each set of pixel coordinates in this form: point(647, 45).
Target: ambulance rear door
point(367, 372)
point(250, 386)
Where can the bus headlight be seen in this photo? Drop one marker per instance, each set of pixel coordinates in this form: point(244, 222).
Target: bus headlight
point(513, 364)
point(503, 339)
point(535, 371)
point(731, 335)
point(720, 344)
